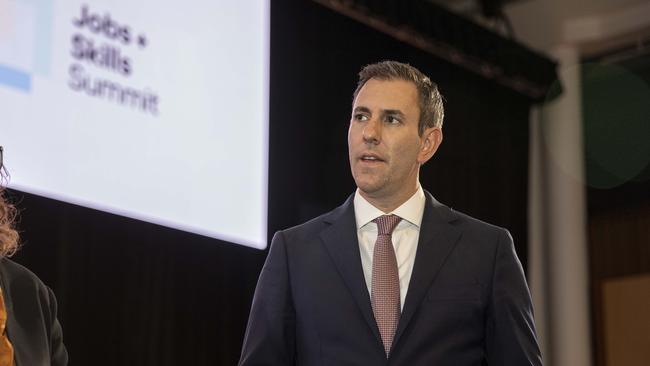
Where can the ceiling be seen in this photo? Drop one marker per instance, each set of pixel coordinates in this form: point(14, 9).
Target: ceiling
point(472, 7)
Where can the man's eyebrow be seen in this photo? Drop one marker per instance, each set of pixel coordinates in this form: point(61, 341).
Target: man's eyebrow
point(362, 109)
point(393, 112)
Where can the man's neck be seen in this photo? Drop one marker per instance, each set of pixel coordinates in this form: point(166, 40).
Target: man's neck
point(389, 203)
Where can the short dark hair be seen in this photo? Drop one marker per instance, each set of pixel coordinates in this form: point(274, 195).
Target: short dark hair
point(429, 98)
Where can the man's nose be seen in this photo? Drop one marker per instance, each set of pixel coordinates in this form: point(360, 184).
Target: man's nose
point(372, 131)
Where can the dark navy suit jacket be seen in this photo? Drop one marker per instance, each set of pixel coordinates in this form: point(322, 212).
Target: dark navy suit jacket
point(32, 326)
point(467, 303)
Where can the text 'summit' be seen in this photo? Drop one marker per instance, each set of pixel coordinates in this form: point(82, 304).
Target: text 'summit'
point(101, 43)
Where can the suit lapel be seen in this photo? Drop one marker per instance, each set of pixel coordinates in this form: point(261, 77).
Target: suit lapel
point(437, 239)
point(342, 245)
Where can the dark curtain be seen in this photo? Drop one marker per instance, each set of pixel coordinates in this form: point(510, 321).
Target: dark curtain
point(133, 293)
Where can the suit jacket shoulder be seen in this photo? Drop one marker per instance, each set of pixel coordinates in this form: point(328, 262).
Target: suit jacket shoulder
point(461, 220)
point(314, 226)
point(17, 277)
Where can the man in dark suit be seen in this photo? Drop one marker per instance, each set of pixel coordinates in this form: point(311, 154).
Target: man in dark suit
point(392, 277)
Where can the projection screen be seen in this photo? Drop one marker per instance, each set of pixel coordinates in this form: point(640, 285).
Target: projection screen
point(155, 110)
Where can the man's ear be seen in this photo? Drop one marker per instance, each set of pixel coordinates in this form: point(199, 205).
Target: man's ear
point(429, 143)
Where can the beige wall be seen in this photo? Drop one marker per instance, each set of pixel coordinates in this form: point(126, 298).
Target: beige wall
point(541, 24)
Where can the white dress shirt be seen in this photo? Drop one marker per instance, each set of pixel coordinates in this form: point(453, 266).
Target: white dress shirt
point(405, 236)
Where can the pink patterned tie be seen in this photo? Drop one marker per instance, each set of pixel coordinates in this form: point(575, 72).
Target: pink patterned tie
point(385, 281)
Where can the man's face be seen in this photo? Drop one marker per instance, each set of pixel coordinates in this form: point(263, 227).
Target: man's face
point(384, 146)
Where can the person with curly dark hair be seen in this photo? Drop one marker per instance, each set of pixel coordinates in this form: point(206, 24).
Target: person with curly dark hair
point(30, 331)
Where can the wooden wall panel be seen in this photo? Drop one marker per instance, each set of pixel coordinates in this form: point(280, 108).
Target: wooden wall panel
point(619, 246)
point(626, 321)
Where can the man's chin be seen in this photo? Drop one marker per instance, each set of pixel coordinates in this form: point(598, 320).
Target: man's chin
point(369, 189)
point(371, 184)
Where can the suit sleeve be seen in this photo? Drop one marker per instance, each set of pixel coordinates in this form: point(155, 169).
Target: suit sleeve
point(58, 353)
point(270, 334)
point(510, 338)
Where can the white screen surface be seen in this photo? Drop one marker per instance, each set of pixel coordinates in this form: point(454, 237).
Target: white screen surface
point(148, 109)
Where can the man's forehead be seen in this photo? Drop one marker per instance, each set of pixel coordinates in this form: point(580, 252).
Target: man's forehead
point(390, 94)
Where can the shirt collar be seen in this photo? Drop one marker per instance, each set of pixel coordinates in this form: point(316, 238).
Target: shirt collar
point(411, 210)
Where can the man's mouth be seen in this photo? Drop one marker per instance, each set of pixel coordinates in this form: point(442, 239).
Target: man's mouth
point(371, 158)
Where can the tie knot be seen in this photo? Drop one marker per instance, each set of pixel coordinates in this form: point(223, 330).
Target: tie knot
point(387, 223)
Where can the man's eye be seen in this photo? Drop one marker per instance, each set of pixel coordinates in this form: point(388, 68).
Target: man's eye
point(392, 119)
point(360, 117)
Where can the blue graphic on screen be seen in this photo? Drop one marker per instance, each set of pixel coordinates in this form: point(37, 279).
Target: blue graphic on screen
point(24, 41)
